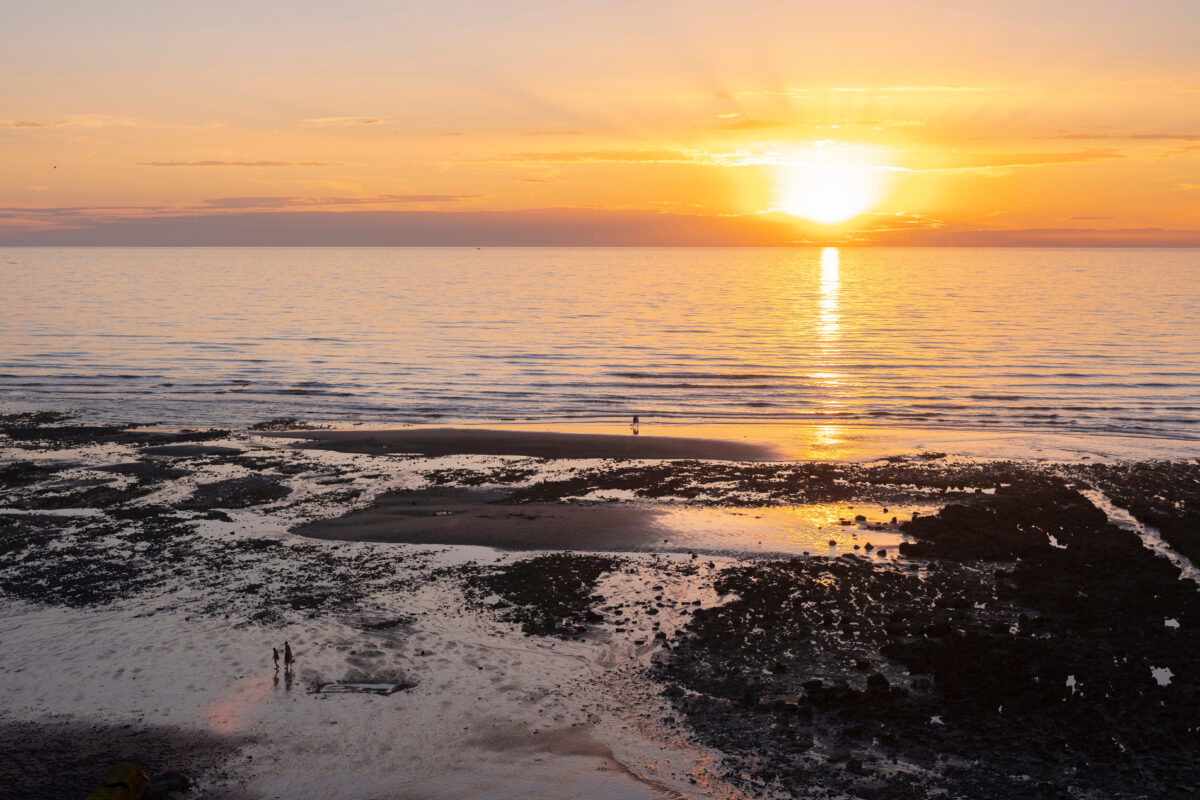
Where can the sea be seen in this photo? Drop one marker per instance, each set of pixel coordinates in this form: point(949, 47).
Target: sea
point(1077, 340)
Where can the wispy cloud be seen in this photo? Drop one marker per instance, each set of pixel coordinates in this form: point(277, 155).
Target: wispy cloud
point(808, 157)
point(596, 156)
point(805, 91)
point(1125, 135)
point(976, 162)
point(223, 204)
point(915, 89)
point(754, 125)
point(292, 202)
point(931, 161)
point(239, 164)
point(30, 123)
point(81, 121)
point(70, 216)
point(326, 122)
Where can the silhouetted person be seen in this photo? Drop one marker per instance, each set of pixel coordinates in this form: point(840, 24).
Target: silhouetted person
point(275, 655)
point(634, 427)
point(288, 658)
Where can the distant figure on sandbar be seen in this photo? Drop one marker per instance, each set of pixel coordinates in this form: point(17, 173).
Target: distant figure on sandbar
point(635, 425)
point(275, 656)
point(288, 658)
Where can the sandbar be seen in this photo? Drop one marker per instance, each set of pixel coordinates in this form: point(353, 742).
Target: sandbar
point(541, 444)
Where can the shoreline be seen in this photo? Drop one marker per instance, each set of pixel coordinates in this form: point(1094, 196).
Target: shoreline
point(743, 441)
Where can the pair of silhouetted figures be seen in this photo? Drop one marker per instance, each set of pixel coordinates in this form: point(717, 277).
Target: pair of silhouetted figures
point(288, 658)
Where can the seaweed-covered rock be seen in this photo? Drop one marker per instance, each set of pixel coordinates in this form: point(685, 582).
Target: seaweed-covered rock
point(1022, 520)
point(1043, 667)
point(1163, 494)
point(237, 493)
point(549, 595)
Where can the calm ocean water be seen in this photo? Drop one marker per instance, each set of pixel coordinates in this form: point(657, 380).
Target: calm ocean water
point(1082, 340)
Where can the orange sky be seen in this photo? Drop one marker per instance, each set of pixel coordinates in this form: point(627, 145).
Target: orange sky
point(616, 123)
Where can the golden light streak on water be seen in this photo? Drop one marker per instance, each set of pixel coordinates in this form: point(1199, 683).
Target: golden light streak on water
point(827, 438)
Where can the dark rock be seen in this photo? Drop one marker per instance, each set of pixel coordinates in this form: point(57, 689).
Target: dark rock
point(236, 493)
point(24, 473)
point(1163, 494)
point(839, 755)
point(189, 450)
point(877, 684)
point(550, 595)
point(1094, 610)
point(144, 470)
point(285, 424)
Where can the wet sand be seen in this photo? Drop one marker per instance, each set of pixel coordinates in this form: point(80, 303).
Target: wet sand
point(738, 441)
point(462, 517)
point(432, 442)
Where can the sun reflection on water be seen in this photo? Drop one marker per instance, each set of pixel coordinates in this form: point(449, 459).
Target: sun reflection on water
point(799, 529)
point(829, 315)
point(827, 439)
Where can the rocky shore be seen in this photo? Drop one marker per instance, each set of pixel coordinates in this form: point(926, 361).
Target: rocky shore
point(1020, 640)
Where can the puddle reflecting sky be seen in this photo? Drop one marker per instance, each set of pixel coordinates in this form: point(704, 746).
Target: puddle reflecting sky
point(786, 529)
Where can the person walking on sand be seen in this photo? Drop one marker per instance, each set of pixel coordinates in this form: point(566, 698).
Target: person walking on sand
point(288, 659)
point(275, 656)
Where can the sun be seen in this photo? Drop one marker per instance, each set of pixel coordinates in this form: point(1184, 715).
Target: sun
point(830, 183)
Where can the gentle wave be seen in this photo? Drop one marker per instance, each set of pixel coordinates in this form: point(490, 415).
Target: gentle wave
point(1082, 340)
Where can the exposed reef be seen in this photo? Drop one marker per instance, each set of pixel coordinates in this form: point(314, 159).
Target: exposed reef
point(1017, 644)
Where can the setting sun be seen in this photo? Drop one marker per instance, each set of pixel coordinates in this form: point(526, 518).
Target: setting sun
point(831, 183)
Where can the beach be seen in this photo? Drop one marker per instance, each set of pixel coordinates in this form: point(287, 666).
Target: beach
point(600, 401)
point(593, 615)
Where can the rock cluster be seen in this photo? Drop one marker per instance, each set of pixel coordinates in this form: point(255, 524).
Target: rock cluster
point(1002, 666)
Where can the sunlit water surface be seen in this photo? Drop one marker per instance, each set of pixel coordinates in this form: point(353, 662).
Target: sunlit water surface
point(1084, 340)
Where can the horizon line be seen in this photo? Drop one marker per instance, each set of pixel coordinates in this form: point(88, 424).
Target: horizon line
point(806, 245)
